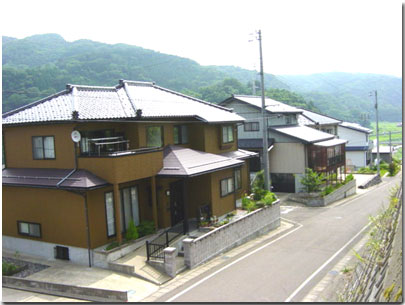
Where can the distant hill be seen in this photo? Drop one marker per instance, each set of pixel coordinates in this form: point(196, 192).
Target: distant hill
point(346, 95)
point(40, 65)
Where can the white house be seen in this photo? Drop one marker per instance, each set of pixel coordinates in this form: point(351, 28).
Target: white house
point(358, 147)
point(292, 146)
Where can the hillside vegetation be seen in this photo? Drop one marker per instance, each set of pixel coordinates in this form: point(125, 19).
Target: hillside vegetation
point(40, 65)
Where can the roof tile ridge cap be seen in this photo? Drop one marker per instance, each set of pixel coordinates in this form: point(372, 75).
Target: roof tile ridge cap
point(87, 87)
point(122, 101)
point(135, 83)
point(124, 84)
point(35, 103)
point(193, 98)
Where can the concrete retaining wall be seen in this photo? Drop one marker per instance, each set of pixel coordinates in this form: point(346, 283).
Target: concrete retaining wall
point(372, 181)
point(79, 292)
point(261, 221)
point(315, 200)
point(102, 258)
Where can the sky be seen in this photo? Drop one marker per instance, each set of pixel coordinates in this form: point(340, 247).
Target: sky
point(298, 36)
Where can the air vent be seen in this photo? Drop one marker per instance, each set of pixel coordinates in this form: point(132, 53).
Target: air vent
point(62, 252)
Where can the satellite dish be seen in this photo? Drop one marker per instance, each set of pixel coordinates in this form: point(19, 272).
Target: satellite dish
point(76, 136)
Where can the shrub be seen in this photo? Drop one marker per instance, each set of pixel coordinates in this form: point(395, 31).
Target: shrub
point(259, 180)
point(258, 193)
point(329, 189)
point(132, 231)
point(146, 227)
point(269, 198)
point(349, 178)
point(312, 180)
point(248, 204)
point(393, 169)
point(9, 268)
point(113, 245)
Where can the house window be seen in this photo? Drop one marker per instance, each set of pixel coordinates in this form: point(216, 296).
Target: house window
point(288, 120)
point(180, 134)
point(251, 126)
point(154, 136)
point(43, 148)
point(238, 178)
point(227, 134)
point(29, 229)
point(109, 211)
point(227, 186)
point(129, 207)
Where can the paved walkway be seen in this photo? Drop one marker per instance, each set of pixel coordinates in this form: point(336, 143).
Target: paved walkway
point(62, 272)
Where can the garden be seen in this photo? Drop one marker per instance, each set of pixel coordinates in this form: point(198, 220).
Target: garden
point(323, 184)
point(134, 232)
point(391, 168)
point(256, 200)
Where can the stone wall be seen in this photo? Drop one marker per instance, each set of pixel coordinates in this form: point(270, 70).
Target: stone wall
point(372, 181)
point(261, 221)
point(315, 200)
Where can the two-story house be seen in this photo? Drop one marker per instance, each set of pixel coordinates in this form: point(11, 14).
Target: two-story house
point(359, 146)
point(80, 165)
point(319, 121)
point(292, 147)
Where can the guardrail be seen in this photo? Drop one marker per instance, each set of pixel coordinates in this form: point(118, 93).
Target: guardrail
point(154, 248)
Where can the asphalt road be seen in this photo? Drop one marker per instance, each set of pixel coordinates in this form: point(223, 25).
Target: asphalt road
point(288, 268)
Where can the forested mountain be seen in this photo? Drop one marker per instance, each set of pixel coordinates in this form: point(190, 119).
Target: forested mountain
point(347, 95)
point(40, 65)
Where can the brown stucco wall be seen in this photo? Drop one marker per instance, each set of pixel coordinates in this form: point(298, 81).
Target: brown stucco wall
point(124, 168)
point(60, 213)
point(221, 205)
point(199, 193)
point(213, 139)
point(18, 146)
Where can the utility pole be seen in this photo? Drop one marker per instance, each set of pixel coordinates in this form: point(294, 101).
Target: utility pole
point(378, 140)
point(265, 131)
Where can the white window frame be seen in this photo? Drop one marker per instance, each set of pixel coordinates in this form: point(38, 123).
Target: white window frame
point(227, 134)
point(227, 186)
point(43, 147)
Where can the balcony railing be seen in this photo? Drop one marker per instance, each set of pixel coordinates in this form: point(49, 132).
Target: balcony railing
point(335, 160)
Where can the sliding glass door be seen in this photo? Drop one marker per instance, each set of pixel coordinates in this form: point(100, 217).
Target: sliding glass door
point(129, 207)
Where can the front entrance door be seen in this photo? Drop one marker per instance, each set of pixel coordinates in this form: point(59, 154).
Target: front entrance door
point(176, 202)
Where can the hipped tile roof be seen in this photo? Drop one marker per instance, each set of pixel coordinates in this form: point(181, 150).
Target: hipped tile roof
point(185, 162)
point(127, 101)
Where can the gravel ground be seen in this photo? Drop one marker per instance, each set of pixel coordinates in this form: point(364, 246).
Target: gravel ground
point(28, 267)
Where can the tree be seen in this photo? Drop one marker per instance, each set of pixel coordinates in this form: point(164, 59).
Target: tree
point(312, 180)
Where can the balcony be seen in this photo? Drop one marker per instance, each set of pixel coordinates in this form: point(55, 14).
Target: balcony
point(119, 166)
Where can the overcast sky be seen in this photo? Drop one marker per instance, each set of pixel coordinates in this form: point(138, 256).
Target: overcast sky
point(299, 36)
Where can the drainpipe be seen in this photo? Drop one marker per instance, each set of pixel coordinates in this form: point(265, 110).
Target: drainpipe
point(87, 227)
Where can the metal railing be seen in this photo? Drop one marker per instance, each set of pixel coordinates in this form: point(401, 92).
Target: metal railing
point(154, 248)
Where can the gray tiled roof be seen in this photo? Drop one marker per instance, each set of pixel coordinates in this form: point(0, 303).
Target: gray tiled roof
point(310, 118)
point(272, 106)
point(304, 133)
point(185, 162)
point(356, 126)
point(119, 102)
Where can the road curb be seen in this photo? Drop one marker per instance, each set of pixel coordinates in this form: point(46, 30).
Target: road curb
point(72, 291)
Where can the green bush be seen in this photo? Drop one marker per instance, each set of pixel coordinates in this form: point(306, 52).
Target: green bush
point(258, 193)
point(312, 180)
point(132, 231)
point(9, 268)
point(248, 204)
point(393, 168)
point(259, 181)
point(269, 198)
point(329, 189)
point(349, 177)
point(146, 227)
point(113, 245)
